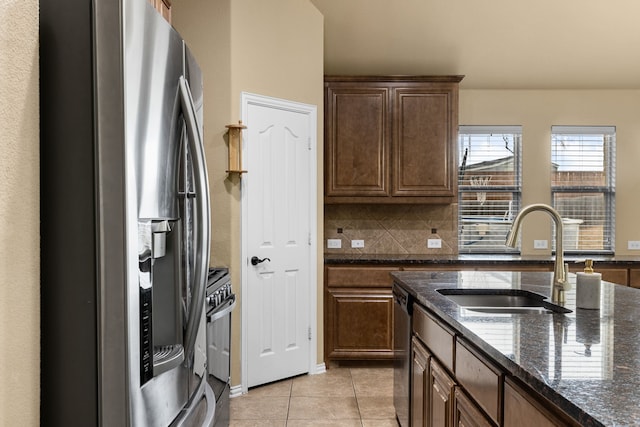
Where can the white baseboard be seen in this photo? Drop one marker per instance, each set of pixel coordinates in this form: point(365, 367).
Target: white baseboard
point(319, 369)
point(235, 391)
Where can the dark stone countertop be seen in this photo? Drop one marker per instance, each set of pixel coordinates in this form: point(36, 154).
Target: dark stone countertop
point(549, 352)
point(475, 259)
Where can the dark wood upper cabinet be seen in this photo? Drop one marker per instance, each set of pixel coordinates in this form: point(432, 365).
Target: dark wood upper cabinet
point(391, 139)
point(357, 140)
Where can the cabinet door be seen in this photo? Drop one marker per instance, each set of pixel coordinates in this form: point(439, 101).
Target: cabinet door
point(357, 139)
point(425, 129)
point(419, 384)
point(440, 410)
point(359, 323)
point(466, 413)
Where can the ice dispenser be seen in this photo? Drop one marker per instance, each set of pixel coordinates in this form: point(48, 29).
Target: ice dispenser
point(161, 317)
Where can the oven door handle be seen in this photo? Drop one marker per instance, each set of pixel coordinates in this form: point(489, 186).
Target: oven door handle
point(221, 312)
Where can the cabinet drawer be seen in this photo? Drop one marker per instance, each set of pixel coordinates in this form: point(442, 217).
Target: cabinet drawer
point(480, 379)
point(438, 338)
point(522, 410)
point(360, 276)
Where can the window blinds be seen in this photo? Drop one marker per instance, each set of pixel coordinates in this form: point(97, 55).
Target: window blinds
point(489, 186)
point(583, 185)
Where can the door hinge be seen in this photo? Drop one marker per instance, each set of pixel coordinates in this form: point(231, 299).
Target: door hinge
point(309, 240)
point(309, 143)
point(309, 330)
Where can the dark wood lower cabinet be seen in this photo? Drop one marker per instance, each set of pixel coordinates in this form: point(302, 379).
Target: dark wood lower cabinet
point(441, 387)
point(420, 373)
point(521, 409)
point(358, 309)
point(475, 392)
point(359, 323)
point(466, 413)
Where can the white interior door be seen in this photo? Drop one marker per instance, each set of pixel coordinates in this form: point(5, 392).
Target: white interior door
point(279, 194)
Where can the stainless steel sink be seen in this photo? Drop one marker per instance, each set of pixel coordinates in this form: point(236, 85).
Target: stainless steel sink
point(502, 301)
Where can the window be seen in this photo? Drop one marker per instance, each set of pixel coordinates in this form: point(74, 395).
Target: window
point(583, 185)
point(489, 186)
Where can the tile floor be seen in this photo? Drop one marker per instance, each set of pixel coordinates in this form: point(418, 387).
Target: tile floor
point(344, 396)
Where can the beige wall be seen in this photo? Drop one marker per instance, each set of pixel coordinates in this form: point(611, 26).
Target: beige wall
point(19, 215)
point(537, 111)
point(272, 48)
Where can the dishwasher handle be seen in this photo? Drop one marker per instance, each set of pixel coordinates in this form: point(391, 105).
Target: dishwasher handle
point(403, 299)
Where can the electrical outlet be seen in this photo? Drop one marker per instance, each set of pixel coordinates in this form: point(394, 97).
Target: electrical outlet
point(540, 244)
point(434, 243)
point(633, 245)
point(357, 243)
point(334, 243)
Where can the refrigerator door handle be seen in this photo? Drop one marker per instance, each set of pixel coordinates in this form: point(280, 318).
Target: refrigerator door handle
point(201, 216)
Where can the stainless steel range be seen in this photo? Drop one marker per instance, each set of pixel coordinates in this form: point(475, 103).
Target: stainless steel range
point(220, 301)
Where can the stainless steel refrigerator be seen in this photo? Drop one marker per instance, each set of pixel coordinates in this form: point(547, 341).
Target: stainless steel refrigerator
point(125, 219)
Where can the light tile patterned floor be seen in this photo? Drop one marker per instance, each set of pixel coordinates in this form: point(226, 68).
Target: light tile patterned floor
point(345, 396)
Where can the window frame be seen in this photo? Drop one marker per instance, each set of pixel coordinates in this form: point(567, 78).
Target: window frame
point(515, 190)
point(608, 190)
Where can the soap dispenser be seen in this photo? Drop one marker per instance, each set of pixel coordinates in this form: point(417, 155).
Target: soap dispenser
point(588, 287)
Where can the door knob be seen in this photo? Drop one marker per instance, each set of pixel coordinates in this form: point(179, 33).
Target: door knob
point(255, 260)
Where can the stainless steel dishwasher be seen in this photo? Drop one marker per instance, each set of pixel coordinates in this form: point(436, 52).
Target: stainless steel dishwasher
point(402, 309)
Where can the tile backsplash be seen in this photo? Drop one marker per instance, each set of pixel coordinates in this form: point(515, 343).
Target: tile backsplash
point(392, 229)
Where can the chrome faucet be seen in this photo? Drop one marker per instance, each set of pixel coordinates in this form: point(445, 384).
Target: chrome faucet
point(559, 269)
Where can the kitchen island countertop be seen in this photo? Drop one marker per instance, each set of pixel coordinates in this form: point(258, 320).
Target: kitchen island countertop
point(587, 362)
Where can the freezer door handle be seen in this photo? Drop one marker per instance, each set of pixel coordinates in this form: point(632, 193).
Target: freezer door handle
point(203, 232)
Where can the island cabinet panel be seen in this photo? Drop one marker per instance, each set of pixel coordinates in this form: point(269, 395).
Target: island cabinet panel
point(420, 374)
point(466, 413)
point(438, 397)
point(441, 387)
point(481, 379)
point(358, 313)
point(521, 409)
point(391, 139)
point(437, 337)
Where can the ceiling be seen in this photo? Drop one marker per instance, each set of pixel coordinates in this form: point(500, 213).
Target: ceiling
point(497, 44)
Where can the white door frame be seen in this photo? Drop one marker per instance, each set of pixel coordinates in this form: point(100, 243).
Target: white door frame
point(248, 99)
